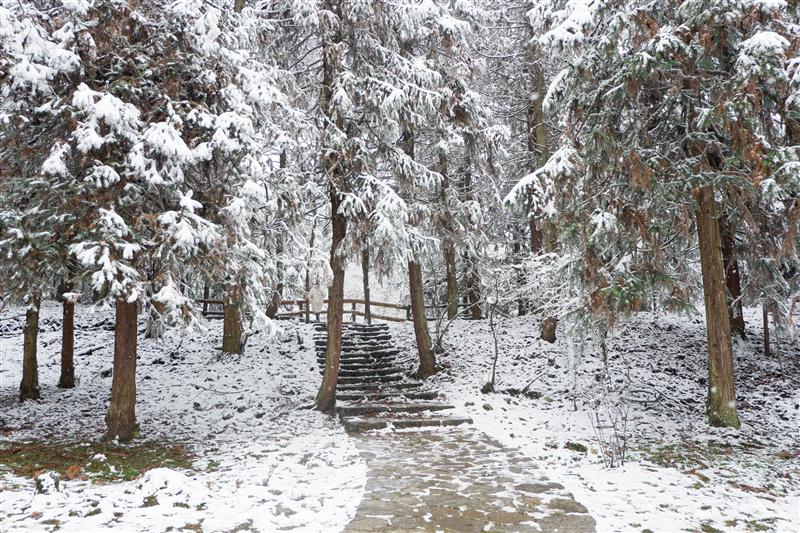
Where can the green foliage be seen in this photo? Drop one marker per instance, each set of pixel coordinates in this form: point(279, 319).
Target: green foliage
point(659, 100)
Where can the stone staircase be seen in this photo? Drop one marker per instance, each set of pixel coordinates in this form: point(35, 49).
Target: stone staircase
point(374, 391)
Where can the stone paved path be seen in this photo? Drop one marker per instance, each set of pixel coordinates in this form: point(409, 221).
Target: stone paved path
point(457, 479)
point(435, 478)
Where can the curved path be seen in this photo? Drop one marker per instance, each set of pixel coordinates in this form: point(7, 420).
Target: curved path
point(427, 477)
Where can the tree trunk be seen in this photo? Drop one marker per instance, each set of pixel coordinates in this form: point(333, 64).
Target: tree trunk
point(277, 293)
point(121, 416)
point(449, 246)
point(536, 237)
point(522, 307)
point(275, 301)
point(721, 404)
point(332, 165)
point(326, 397)
point(67, 379)
point(538, 147)
point(452, 282)
point(365, 276)
point(474, 293)
point(765, 317)
point(548, 329)
point(427, 359)
point(238, 5)
point(29, 386)
point(154, 328)
point(732, 281)
point(232, 323)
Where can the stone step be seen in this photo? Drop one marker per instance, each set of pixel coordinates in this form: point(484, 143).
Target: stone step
point(373, 351)
point(377, 396)
point(368, 371)
point(363, 360)
point(362, 388)
point(355, 344)
point(358, 423)
point(322, 335)
point(367, 327)
point(360, 363)
point(370, 379)
point(382, 356)
point(368, 362)
point(361, 409)
point(362, 349)
point(322, 329)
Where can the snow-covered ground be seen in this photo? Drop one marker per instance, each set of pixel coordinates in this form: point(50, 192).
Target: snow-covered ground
point(261, 461)
point(679, 474)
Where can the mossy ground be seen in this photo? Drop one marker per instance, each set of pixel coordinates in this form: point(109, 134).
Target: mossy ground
point(718, 456)
point(98, 461)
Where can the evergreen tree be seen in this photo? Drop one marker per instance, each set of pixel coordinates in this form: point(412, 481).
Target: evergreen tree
point(672, 113)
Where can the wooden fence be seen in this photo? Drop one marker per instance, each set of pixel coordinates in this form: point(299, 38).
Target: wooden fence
point(302, 309)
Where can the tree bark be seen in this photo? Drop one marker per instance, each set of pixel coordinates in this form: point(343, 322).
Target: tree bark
point(238, 5)
point(536, 237)
point(277, 293)
point(154, 328)
point(452, 281)
point(29, 386)
point(365, 277)
point(427, 359)
point(67, 379)
point(474, 293)
point(232, 323)
point(522, 305)
point(765, 318)
point(275, 301)
point(538, 146)
point(332, 165)
point(326, 397)
point(732, 281)
point(449, 246)
point(721, 403)
point(121, 416)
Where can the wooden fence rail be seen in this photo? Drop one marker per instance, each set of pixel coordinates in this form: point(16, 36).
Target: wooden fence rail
point(304, 309)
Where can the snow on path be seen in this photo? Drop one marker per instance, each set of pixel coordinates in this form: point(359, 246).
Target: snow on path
point(458, 479)
point(679, 474)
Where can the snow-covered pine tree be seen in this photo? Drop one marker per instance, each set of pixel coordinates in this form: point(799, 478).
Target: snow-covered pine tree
point(155, 94)
point(674, 113)
point(464, 139)
point(424, 112)
point(249, 191)
point(373, 89)
point(40, 215)
point(517, 74)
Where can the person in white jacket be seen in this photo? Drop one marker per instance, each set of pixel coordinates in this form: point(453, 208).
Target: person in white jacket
point(316, 297)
